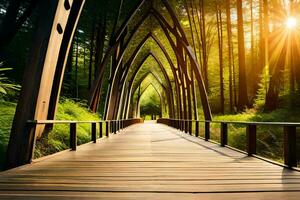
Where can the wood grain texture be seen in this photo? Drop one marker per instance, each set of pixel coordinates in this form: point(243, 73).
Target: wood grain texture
point(150, 161)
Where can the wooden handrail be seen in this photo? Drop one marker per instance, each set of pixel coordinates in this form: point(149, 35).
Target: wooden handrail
point(297, 124)
point(70, 121)
point(289, 132)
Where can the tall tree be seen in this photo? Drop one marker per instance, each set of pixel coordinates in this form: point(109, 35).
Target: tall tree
point(220, 44)
point(230, 53)
point(202, 20)
point(15, 16)
point(243, 94)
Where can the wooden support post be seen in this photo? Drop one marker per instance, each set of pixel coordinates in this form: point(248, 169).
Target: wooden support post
point(197, 129)
point(251, 139)
point(186, 126)
point(224, 134)
point(115, 127)
point(111, 127)
point(207, 131)
point(73, 136)
point(290, 155)
point(100, 130)
point(191, 127)
point(31, 130)
point(181, 125)
point(94, 132)
point(107, 129)
point(55, 26)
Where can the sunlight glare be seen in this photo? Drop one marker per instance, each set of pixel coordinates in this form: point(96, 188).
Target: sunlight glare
point(291, 22)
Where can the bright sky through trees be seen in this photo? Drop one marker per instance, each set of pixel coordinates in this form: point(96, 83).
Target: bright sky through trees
point(291, 22)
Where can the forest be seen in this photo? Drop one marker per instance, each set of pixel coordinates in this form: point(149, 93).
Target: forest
point(248, 53)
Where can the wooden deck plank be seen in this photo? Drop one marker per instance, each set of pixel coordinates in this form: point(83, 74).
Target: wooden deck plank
point(150, 161)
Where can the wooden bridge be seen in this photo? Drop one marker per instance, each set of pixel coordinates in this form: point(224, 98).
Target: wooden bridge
point(143, 161)
point(150, 161)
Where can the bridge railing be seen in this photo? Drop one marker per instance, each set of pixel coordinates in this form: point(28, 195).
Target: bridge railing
point(111, 126)
point(288, 129)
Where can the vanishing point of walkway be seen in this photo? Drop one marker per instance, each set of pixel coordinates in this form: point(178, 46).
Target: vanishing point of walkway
point(150, 161)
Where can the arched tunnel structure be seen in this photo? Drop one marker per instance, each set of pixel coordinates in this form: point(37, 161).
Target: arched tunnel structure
point(44, 73)
point(150, 65)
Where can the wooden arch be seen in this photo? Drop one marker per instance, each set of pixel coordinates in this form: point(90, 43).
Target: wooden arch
point(144, 90)
point(44, 73)
point(169, 85)
point(156, 90)
point(182, 46)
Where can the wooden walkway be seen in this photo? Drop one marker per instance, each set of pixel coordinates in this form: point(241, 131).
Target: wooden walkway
point(149, 162)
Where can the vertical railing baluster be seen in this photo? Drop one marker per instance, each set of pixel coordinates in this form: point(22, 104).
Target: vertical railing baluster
point(290, 151)
point(191, 127)
point(73, 136)
point(207, 131)
point(100, 130)
point(197, 129)
point(94, 132)
point(224, 134)
point(186, 126)
point(115, 126)
point(251, 139)
point(107, 128)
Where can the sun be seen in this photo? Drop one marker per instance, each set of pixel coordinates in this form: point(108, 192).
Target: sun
point(291, 22)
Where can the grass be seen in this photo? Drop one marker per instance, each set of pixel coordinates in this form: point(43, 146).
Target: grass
point(58, 139)
point(55, 140)
point(6, 117)
point(269, 138)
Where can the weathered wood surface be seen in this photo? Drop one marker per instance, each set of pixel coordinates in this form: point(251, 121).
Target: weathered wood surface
point(150, 161)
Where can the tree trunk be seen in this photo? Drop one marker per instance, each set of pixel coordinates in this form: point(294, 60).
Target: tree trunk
point(204, 45)
point(230, 52)
point(91, 55)
point(220, 40)
point(243, 94)
point(11, 22)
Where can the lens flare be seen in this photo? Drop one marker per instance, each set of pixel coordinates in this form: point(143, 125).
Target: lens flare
point(291, 22)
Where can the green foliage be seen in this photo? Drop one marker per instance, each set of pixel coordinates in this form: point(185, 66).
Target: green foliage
point(58, 139)
point(150, 103)
point(269, 138)
point(5, 84)
point(6, 117)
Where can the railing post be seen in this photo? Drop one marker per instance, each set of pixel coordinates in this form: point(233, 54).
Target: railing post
point(224, 134)
point(197, 129)
point(115, 127)
point(107, 129)
point(290, 155)
point(73, 136)
point(207, 131)
point(251, 139)
point(190, 127)
point(181, 125)
point(100, 130)
point(94, 132)
point(186, 126)
point(111, 127)
point(31, 146)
